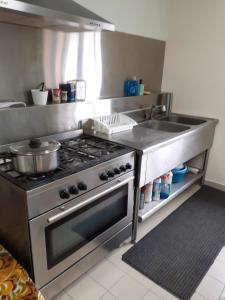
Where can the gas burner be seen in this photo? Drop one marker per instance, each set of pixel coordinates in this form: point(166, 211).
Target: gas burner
point(14, 174)
point(36, 177)
point(69, 160)
point(5, 158)
point(40, 177)
point(105, 152)
point(6, 167)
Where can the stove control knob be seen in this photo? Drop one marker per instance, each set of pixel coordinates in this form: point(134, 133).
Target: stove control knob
point(82, 186)
point(128, 166)
point(110, 174)
point(117, 171)
point(64, 194)
point(122, 168)
point(104, 176)
point(73, 190)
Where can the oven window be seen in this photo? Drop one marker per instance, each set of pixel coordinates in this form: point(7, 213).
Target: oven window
point(74, 231)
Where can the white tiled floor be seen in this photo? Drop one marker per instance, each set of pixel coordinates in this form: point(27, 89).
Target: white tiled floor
point(113, 279)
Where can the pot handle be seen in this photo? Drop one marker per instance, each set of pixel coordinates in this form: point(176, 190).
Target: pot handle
point(35, 143)
point(7, 155)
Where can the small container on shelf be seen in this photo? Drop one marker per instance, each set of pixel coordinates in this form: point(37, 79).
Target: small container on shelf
point(166, 185)
point(64, 92)
point(141, 88)
point(193, 170)
point(156, 189)
point(71, 89)
point(142, 198)
point(39, 97)
point(179, 173)
point(56, 96)
point(148, 192)
point(64, 96)
point(131, 87)
point(80, 90)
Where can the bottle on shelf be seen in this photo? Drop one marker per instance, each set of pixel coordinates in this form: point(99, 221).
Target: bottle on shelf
point(141, 88)
point(71, 92)
point(64, 92)
point(148, 192)
point(156, 189)
point(142, 198)
point(166, 184)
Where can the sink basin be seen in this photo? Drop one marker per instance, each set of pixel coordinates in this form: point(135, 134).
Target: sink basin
point(184, 120)
point(164, 126)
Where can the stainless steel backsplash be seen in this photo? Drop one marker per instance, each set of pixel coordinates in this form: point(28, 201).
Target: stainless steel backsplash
point(29, 56)
point(18, 124)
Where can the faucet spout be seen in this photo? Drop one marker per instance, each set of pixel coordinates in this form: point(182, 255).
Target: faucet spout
point(159, 108)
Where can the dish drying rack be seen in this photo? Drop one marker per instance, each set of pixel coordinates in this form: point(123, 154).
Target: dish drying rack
point(113, 123)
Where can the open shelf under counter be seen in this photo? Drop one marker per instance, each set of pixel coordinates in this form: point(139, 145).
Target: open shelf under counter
point(177, 188)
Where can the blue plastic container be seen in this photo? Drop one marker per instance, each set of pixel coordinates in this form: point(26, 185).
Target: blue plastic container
point(179, 174)
point(131, 88)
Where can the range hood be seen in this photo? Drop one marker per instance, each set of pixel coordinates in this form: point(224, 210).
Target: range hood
point(64, 15)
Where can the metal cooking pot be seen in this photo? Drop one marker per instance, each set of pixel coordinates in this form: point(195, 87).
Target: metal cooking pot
point(35, 157)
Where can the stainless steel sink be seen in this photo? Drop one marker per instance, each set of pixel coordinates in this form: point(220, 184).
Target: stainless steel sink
point(164, 126)
point(184, 120)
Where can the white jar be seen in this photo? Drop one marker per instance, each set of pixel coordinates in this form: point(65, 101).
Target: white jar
point(39, 97)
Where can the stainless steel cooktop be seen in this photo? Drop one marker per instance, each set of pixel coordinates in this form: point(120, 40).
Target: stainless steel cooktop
point(75, 155)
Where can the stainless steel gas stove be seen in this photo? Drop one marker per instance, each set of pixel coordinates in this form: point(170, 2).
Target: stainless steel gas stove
point(60, 224)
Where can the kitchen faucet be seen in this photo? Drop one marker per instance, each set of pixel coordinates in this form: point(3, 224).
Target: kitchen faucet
point(160, 108)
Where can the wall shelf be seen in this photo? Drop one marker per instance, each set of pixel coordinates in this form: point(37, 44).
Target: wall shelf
point(177, 189)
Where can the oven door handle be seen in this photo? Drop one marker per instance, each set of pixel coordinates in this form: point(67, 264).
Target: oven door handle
point(88, 201)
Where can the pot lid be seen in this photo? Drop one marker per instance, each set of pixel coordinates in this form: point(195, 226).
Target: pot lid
point(35, 147)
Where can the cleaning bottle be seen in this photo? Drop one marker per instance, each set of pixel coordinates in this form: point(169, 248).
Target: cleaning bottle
point(166, 185)
point(126, 87)
point(156, 189)
point(141, 88)
point(142, 198)
point(148, 192)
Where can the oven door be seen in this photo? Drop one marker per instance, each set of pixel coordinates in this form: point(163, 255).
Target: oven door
point(64, 235)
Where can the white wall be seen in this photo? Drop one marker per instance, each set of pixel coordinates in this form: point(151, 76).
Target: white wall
point(195, 54)
point(195, 68)
point(144, 17)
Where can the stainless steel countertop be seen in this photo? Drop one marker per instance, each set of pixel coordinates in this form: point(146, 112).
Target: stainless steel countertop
point(146, 140)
